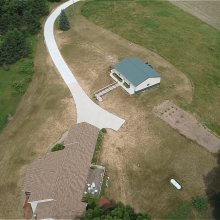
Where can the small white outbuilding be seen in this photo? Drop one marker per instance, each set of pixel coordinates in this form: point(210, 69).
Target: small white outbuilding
point(138, 75)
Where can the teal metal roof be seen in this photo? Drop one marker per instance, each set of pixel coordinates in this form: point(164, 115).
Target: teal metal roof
point(135, 70)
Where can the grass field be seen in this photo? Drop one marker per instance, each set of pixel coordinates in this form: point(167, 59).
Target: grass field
point(187, 211)
point(8, 101)
point(187, 42)
point(44, 113)
point(145, 152)
point(207, 11)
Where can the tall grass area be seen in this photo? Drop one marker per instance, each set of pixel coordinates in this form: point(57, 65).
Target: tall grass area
point(188, 43)
point(188, 211)
point(14, 81)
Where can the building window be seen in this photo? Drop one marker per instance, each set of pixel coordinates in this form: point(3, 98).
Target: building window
point(148, 84)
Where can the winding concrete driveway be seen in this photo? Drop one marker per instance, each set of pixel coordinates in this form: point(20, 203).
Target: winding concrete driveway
point(87, 110)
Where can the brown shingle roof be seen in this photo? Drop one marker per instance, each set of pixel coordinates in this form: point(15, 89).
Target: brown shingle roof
point(62, 175)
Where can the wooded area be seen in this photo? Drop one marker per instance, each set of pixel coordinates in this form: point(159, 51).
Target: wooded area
point(18, 20)
point(115, 212)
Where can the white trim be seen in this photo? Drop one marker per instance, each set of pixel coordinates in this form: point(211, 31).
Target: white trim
point(35, 203)
point(130, 90)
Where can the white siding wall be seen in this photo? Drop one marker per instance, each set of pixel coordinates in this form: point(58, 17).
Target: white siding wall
point(143, 85)
point(128, 82)
point(115, 71)
point(150, 81)
point(124, 79)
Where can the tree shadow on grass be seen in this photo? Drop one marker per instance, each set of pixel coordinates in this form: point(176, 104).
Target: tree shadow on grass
point(212, 183)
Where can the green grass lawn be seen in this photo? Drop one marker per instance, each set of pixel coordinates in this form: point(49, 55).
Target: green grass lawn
point(188, 211)
point(9, 95)
point(190, 44)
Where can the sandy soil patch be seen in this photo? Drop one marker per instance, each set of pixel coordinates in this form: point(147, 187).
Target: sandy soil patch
point(207, 11)
point(188, 126)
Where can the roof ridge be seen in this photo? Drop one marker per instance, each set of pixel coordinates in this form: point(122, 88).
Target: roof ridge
point(138, 67)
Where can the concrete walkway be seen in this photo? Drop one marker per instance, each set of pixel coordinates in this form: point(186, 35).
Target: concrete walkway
point(87, 110)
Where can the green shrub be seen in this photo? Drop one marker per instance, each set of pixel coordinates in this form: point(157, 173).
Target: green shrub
point(19, 87)
point(200, 204)
point(93, 167)
point(126, 85)
point(13, 47)
point(98, 143)
point(97, 148)
point(117, 77)
point(104, 130)
point(27, 67)
point(94, 159)
point(28, 78)
point(57, 147)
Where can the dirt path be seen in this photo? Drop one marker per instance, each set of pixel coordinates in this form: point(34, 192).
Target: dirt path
point(188, 126)
point(208, 11)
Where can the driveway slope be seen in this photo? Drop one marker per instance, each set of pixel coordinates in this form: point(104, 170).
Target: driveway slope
point(87, 110)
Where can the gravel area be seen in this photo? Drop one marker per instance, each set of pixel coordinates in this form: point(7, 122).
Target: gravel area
point(188, 126)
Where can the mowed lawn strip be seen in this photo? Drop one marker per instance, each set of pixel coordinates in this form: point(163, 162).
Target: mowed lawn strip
point(145, 139)
point(181, 38)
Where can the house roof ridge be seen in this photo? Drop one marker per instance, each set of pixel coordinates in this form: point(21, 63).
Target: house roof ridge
point(130, 60)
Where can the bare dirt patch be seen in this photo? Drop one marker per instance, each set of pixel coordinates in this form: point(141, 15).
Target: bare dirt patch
point(207, 11)
point(188, 126)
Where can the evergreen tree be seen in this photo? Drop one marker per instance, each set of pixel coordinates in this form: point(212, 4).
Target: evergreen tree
point(13, 47)
point(64, 23)
point(32, 23)
point(39, 8)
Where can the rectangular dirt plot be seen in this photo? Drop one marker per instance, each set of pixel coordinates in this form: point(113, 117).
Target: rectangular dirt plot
point(188, 126)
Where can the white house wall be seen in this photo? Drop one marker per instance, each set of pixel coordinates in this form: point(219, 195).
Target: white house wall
point(124, 79)
point(150, 81)
point(128, 82)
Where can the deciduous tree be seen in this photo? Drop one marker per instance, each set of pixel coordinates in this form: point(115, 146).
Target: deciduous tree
point(13, 47)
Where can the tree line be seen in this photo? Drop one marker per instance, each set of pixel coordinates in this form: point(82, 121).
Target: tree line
point(118, 212)
point(18, 20)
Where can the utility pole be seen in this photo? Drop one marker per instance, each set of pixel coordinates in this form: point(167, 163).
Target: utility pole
point(73, 8)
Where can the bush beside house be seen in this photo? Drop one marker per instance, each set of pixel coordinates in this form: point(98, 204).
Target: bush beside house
point(126, 85)
point(57, 147)
point(117, 77)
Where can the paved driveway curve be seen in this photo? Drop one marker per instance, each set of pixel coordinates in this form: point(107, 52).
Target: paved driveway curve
point(87, 110)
